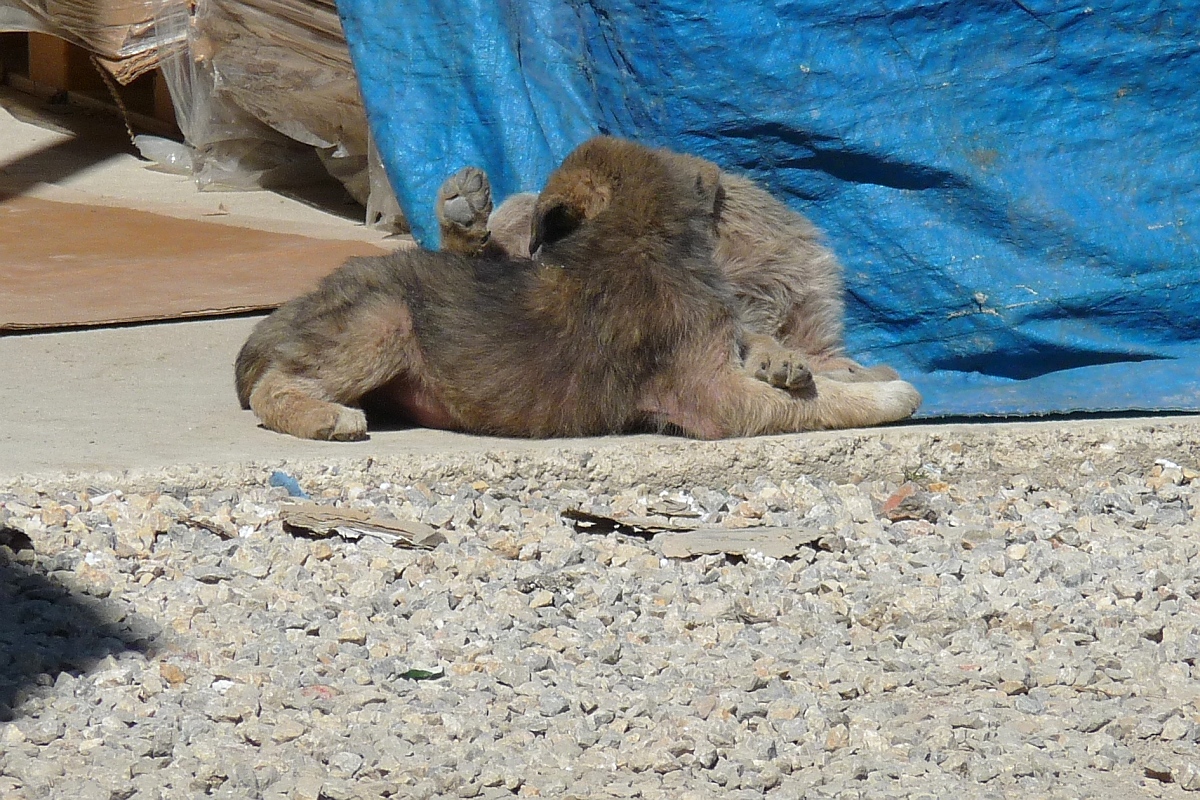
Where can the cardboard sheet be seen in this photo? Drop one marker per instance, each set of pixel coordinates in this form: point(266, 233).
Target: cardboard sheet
point(68, 265)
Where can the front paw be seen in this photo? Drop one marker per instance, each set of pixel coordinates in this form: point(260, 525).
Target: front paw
point(464, 203)
point(349, 425)
point(782, 368)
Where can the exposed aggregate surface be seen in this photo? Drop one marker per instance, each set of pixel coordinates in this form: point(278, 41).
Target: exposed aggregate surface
point(954, 634)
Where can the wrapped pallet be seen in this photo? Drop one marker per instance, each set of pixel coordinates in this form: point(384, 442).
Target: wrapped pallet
point(263, 90)
point(266, 96)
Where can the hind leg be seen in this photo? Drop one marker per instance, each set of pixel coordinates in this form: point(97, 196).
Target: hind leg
point(295, 405)
point(313, 385)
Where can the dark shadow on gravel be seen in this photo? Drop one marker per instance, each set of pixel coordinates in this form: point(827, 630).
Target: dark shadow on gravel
point(46, 629)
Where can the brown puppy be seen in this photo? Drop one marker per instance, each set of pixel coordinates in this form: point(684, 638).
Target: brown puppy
point(622, 322)
point(787, 284)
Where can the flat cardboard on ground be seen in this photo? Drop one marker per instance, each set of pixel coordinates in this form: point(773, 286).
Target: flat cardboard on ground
point(67, 265)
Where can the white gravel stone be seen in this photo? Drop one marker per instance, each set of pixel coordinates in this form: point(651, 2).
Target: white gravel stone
point(1029, 633)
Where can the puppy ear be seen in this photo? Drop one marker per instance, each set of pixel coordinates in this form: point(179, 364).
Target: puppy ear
point(571, 196)
point(553, 219)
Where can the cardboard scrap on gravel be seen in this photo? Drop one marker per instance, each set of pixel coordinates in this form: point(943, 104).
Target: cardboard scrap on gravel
point(321, 522)
point(69, 264)
point(688, 541)
point(769, 541)
point(643, 527)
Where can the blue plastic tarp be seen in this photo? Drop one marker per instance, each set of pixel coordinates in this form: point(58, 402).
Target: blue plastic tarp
point(1011, 186)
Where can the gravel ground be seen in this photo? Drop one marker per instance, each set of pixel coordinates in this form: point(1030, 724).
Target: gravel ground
point(984, 615)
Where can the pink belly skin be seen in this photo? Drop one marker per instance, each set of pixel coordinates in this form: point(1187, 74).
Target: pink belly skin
point(411, 401)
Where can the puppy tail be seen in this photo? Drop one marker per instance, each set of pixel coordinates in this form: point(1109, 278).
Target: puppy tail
point(248, 370)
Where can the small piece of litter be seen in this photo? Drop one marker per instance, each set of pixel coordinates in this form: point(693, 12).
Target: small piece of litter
point(317, 521)
point(285, 481)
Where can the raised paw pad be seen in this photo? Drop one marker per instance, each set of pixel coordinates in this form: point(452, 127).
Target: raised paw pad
point(458, 209)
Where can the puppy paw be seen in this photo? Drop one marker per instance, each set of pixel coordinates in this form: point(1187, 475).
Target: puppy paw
point(899, 400)
point(786, 369)
point(330, 422)
point(349, 425)
point(464, 203)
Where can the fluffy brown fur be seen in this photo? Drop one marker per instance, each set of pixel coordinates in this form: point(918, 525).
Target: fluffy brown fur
point(787, 283)
point(624, 320)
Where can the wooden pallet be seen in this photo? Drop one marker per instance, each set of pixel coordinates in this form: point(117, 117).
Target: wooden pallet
point(46, 66)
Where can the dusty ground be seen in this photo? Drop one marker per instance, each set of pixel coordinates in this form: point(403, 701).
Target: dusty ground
point(159, 396)
point(1025, 624)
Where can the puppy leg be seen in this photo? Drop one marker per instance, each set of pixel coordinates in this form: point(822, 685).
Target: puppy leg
point(323, 364)
point(511, 225)
point(464, 202)
point(837, 404)
point(842, 368)
point(734, 403)
point(849, 371)
point(785, 368)
point(292, 404)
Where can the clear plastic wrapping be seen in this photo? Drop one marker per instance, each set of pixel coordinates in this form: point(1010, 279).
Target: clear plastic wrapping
point(266, 96)
point(264, 91)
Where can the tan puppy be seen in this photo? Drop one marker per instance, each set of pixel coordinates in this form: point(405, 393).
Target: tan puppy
point(787, 284)
point(623, 321)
